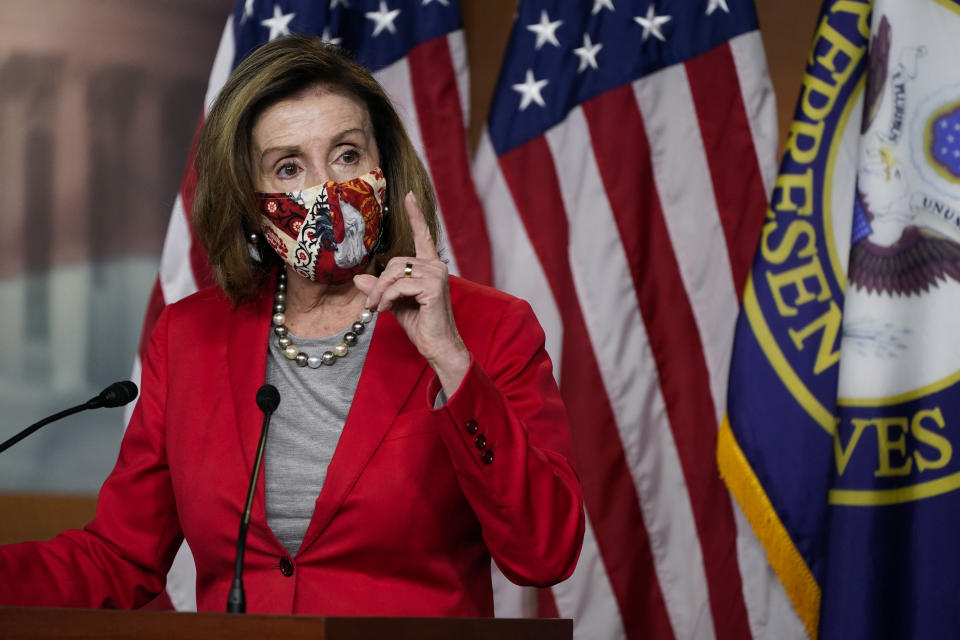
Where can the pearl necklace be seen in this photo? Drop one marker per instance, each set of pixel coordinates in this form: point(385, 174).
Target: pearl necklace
point(291, 351)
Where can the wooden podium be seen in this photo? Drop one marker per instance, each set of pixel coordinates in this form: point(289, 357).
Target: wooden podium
point(37, 622)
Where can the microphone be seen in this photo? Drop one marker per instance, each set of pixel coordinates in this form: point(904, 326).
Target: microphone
point(116, 395)
point(268, 399)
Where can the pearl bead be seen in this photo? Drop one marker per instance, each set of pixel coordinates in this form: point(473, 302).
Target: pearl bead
point(328, 357)
point(283, 276)
point(291, 352)
point(366, 316)
point(340, 349)
point(314, 362)
point(350, 338)
point(279, 319)
point(357, 327)
point(253, 238)
point(280, 297)
point(281, 286)
point(281, 331)
point(279, 308)
point(284, 342)
point(301, 359)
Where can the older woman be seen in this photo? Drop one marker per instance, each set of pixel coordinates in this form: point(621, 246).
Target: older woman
point(419, 432)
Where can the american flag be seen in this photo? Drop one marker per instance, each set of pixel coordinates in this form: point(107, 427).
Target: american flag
point(624, 172)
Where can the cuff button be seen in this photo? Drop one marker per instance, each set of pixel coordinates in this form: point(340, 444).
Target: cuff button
point(481, 442)
point(472, 426)
point(487, 457)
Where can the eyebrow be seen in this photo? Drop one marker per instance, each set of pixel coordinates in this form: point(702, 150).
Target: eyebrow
point(289, 149)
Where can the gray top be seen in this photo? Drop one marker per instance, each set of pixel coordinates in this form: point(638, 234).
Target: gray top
point(305, 429)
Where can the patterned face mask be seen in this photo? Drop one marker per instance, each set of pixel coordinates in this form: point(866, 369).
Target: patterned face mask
point(327, 233)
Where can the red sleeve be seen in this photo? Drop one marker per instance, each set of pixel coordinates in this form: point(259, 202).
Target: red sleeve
point(509, 440)
point(120, 559)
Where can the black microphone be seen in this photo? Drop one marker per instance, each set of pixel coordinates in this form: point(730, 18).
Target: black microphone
point(116, 395)
point(268, 399)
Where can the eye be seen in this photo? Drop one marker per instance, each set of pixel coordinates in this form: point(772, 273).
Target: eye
point(288, 170)
point(350, 156)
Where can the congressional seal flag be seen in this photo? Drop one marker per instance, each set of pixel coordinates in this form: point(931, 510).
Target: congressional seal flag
point(416, 50)
point(623, 178)
point(844, 400)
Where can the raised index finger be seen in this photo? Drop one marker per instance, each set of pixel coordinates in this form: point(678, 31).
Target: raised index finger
point(422, 242)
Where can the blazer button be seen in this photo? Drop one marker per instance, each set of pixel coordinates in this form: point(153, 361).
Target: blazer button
point(286, 566)
point(487, 457)
point(472, 426)
point(481, 441)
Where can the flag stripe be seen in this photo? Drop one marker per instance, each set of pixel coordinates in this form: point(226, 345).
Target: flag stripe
point(602, 275)
point(461, 69)
point(676, 346)
point(758, 101)
point(689, 209)
point(436, 97)
point(516, 268)
point(396, 79)
point(587, 596)
point(728, 143)
point(609, 494)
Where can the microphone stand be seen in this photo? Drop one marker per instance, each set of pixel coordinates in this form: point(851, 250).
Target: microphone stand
point(267, 399)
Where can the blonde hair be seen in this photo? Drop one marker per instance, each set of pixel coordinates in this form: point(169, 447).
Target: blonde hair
point(224, 207)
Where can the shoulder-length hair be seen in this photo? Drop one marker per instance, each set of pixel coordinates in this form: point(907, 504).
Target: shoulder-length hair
point(225, 210)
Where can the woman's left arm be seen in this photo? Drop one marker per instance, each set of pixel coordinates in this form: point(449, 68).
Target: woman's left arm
point(510, 445)
point(508, 437)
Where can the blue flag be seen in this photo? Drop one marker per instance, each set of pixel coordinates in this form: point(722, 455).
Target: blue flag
point(844, 397)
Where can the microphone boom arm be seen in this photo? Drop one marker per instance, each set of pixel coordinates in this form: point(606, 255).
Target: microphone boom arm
point(116, 395)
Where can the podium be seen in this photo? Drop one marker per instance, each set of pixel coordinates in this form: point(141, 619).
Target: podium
point(38, 622)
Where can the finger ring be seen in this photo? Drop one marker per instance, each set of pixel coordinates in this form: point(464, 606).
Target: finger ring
point(408, 270)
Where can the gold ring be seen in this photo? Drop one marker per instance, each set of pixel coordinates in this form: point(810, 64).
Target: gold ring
point(408, 270)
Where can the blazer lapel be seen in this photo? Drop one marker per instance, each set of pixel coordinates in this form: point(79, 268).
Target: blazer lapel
point(247, 366)
point(390, 374)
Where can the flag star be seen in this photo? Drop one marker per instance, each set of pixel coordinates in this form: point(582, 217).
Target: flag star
point(588, 53)
point(600, 5)
point(713, 5)
point(529, 91)
point(335, 3)
point(383, 19)
point(326, 37)
point(279, 23)
point(546, 31)
point(651, 24)
point(247, 10)
point(445, 3)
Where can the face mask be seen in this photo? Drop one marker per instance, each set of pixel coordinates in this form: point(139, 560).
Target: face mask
point(327, 233)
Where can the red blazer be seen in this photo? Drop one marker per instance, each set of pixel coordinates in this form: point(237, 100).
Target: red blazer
point(409, 515)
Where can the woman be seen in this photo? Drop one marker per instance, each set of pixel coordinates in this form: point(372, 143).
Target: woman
point(451, 443)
